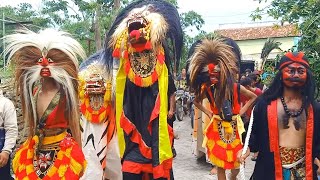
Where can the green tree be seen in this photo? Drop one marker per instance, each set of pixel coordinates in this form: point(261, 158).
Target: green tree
point(304, 13)
point(88, 20)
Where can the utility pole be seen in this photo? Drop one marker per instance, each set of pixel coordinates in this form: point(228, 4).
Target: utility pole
point(3, 34)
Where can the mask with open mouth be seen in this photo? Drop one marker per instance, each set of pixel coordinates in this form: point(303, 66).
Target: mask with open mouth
point(95, 84)
point(95, 92)
point(138, 29)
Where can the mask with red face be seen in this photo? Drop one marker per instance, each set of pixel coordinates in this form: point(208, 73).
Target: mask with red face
point(214, 73)
point(45, 62)
point(294, 68)
point(294, 75)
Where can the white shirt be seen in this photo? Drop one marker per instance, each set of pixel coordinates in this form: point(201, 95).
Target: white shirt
point(8, 122)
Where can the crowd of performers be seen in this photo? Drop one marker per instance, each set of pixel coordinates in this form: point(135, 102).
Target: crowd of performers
point(108, 118)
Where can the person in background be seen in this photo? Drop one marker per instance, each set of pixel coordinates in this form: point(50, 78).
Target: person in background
point(182, 80)
point(247, 72)
point(249, 84)
point(255, 76)
point(172, 108)
point(8, 135)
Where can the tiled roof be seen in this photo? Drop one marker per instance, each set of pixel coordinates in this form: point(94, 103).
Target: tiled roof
point(259, 32)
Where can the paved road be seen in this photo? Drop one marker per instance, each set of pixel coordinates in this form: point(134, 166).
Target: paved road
point(185, 165)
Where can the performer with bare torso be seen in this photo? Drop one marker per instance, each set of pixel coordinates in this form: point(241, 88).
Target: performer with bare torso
point(286, 123)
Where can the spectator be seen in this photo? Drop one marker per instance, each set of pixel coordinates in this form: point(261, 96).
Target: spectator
point(249, 84)
point(182, 80)
point(255, 76)
point(8, 135)
point(247, 72)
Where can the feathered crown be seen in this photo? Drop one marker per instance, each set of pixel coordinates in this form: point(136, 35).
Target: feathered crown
point(25, 48)
point(214, 51)
point(44, 40)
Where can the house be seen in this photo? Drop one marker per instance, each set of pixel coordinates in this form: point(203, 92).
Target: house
point(252, 39)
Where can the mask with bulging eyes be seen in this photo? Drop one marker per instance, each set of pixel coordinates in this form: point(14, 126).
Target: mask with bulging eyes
point(294, 75)
point(214, 72)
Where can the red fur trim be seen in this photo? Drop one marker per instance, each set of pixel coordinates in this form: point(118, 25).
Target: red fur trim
point(154, 76)
point(127, 67)
point(139, 47)
point(125, 54)
point(309, 141)
point(136, 168)
point(116, 53)
point(274, 138)
point(138, 80)
point(128, 128)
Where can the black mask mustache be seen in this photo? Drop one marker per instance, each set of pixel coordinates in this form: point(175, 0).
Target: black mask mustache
point(295, 80)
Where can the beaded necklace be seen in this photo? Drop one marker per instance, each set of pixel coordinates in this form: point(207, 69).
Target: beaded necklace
point(293, 114)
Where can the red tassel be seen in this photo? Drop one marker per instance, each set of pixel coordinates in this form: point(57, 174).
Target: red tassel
point(148, 45)
point(116, 53)
point(125, 54)
point(127, 67)
point(154, 76)
point(160, 58)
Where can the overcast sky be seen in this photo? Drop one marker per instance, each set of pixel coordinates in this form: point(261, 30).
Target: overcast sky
point(218, 14)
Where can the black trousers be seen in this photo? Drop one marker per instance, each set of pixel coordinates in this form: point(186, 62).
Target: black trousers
point(5, 171)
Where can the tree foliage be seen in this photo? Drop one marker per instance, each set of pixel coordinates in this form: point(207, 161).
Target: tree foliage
point(304, 13)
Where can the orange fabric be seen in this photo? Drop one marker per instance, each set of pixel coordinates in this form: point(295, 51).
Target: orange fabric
point(298, 59)
point(274, 138)
point(136, 137)
point(57, 119)
point(163, 170)
point(70, 161)
point(136, 168)
point(217, 150)
point(154, 113)
point(160, 171)
point(309, 141)
point(95, 114)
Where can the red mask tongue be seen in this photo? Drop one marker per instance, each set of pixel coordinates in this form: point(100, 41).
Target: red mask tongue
point(135, 33)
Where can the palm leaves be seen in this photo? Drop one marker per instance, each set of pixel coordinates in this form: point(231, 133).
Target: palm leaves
point(268, 47)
